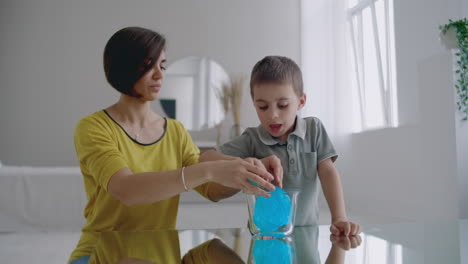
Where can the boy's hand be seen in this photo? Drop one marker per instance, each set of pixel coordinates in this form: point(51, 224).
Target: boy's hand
point(344, 227)
point(273, 166)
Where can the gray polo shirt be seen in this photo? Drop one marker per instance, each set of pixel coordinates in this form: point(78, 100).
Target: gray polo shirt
point(305, 148)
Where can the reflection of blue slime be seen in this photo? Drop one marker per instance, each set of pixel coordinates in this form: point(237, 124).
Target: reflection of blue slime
point(272, 251)
point(274, 212)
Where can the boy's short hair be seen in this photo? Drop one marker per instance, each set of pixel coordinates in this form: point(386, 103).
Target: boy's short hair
point(129, 54)
point(277, 69)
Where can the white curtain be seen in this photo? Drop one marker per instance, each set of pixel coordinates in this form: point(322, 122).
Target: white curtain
point(324, 58)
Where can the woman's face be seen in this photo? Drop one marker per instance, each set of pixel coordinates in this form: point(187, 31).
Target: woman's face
point(149, 85)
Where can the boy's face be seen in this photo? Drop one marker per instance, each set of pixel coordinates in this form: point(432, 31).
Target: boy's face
point(277, 105)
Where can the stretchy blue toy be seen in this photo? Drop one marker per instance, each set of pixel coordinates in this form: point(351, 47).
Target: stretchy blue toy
point(274, 212)
point(272, 251)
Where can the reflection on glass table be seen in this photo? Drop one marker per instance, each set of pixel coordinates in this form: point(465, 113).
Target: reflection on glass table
point(213, 246)
point(402, 243)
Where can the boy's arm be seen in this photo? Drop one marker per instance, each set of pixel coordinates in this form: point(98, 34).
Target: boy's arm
point(217, 192)
point(212, 155)
point(333, 192)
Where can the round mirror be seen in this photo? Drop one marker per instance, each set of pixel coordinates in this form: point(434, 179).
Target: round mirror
point(190, 93)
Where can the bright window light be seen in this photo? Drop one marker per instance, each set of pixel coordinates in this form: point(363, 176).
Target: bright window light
point(376, 250)
point(373, 68)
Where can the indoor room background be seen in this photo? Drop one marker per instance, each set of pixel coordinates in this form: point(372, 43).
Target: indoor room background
point(417, 169)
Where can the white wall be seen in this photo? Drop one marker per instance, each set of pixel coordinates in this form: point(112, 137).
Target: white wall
point(462, 165)
point(51, 63)
point(408, 172)
point(462, 150)
point(464, 9)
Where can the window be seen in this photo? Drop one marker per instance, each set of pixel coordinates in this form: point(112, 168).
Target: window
point(373, 64)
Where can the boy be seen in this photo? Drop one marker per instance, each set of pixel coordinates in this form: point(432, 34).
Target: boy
point(301, 144)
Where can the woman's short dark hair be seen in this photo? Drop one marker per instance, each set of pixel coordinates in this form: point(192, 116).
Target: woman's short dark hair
point(277, 69)
point(129, 54)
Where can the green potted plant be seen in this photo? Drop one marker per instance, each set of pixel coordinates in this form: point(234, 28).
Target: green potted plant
point(460, 29)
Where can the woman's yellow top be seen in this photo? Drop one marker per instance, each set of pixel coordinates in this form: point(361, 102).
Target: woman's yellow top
point(103, 148)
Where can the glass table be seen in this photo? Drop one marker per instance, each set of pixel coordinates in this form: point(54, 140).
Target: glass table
point(402, 243)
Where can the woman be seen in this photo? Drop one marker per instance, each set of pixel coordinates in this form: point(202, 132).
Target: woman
point(135, 163)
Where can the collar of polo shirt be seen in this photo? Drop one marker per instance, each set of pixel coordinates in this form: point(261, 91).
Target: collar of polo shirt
point(268, 139)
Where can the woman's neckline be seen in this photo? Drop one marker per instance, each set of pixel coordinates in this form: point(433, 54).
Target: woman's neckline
point(137, 142)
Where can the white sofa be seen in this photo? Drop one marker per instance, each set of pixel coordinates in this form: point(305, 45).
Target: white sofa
point(41, 213)
point(53, 198)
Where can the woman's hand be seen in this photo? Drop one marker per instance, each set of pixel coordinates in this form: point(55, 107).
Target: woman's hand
point(237, 173)
point(255, 162)
point(272, 164)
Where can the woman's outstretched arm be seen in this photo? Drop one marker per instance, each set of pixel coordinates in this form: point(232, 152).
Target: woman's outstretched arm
point(149, 187)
